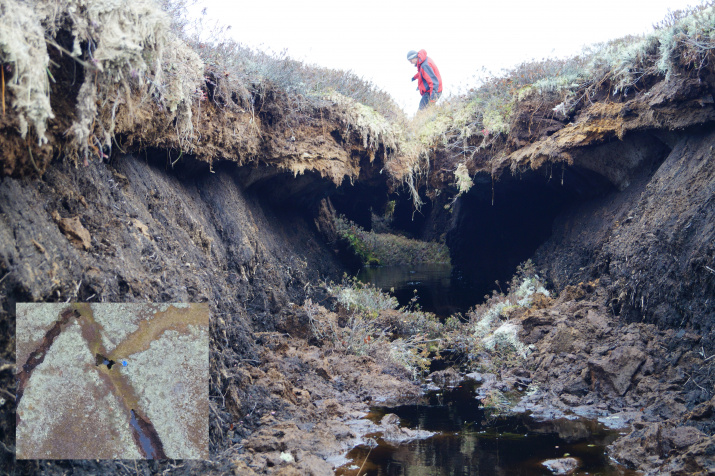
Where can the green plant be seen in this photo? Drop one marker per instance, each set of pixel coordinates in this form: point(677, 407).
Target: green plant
point(374, 325)
point(390, 209)
point(386, 248)
point(411, 354)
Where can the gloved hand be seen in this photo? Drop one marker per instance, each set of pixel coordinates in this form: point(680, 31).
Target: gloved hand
point(413, 78)
point(432, 98)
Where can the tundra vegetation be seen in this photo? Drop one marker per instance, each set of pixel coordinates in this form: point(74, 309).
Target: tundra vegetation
point(485, 338)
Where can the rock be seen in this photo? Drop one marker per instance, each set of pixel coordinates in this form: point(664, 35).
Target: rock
point(618, 368)
point(476, 376)
point(396, 434)
point(570, 400)
point(75, 232)
point(446, 378)
point(562, 465)
point(390, 419)
point(564, 339)
point(682, 436)
point(621, 420)
point(393, 433)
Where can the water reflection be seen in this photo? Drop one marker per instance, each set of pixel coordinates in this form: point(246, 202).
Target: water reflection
point(439, 290)
point(470, 442)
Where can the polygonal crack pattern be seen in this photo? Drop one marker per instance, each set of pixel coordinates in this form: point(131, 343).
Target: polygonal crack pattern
point(111, 381)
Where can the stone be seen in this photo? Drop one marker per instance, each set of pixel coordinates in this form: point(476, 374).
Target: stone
point(446, 378)
point(618, 368)
point(562, 465)
point(683, 436)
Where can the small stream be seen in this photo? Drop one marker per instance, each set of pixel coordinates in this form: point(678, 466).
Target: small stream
point(439, 290)
point(469, 442)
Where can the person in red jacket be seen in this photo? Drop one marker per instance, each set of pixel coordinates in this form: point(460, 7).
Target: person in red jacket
point(429, 81)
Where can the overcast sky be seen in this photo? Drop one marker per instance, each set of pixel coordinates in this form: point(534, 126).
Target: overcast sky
point(372, 37)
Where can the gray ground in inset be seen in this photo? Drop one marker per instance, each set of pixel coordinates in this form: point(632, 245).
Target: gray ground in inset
point(70, 410)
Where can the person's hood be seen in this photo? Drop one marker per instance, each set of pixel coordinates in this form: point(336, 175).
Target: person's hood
point(421, 56)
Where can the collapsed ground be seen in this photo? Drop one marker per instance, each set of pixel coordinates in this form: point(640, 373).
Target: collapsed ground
point(613, 203)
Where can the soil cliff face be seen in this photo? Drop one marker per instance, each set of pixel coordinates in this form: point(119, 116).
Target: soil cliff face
point(150, 236)
point(622, 196)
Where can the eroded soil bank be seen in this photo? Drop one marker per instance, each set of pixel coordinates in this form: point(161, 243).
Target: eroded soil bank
point(152, 234)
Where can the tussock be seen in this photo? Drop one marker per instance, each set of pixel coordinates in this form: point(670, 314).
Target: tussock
point(129, 54)
point(23, 50)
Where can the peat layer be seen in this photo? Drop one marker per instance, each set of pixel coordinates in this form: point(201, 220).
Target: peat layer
point(613, 203)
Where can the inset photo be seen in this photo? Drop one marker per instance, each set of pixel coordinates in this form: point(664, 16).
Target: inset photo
point(112, 381)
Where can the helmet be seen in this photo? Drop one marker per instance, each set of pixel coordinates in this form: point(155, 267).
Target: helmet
point(412, 54)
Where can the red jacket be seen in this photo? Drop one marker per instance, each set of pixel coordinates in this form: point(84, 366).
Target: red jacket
point(428, 78)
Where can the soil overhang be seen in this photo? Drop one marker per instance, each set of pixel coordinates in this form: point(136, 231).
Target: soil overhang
point(510, 210)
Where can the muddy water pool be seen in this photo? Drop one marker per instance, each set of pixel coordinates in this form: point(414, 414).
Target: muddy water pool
point(438, 288)
point(467, 441)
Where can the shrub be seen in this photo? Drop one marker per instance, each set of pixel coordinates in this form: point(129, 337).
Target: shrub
point(374, 326)
point(490, 322)
point(354, 295)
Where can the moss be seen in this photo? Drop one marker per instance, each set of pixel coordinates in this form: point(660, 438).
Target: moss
point(389, 249)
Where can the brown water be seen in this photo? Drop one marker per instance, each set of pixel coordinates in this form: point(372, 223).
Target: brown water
point(469, 442)
point(437, 288)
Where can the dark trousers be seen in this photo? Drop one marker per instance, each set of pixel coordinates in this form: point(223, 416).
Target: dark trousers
point(425, 99)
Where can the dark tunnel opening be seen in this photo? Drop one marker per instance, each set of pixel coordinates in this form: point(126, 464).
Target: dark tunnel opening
point(497, 226)
point(360, 201)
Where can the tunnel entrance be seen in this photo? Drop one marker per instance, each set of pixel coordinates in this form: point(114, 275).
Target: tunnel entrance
point(498, 225)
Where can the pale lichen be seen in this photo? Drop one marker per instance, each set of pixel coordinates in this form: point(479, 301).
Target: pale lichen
point(67, 410)
point(75, 405)
point(23, 48)
point(172, 382)
point(117, 320)
point(33, 320)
